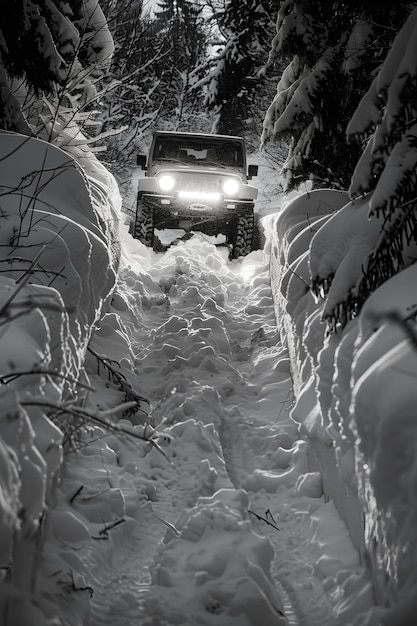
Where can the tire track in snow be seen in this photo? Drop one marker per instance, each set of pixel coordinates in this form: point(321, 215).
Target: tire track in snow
point(237, 436)
point(208, 349)
point(231, 442)
point(238, 463)
point(228, 423)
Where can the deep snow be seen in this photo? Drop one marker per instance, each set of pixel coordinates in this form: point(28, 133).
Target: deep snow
point(355, 389)
point(197, 334)
point(192, 489)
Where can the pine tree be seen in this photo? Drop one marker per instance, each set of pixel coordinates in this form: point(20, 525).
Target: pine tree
point(374, 237)
point(154, 69)
point(182, 24)
point(333, 49)
point(47, 49)
point(235, 75)
point(386, 173)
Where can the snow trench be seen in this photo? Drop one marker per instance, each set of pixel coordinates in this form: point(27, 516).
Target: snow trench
point(222, 522)
point(170, 447)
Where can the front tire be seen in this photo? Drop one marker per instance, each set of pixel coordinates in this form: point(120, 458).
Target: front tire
point(243, 241)
point(142, 227)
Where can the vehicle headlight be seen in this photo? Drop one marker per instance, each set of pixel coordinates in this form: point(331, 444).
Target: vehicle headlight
point(230, 187)
point(166, 182)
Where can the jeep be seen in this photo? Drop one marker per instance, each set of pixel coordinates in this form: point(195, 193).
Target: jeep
point(196, 182)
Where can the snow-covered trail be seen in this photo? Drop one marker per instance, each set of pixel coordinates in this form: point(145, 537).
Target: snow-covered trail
point(199, 547)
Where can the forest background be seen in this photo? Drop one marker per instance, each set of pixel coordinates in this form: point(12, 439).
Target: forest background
point(120, 69)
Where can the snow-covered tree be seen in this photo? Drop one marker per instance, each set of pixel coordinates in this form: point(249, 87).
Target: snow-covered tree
point(333, 49)
point(182, 24)
point(154, 69)
point(236, 68)
point(375, 236)
point(49, 53)
point(129, 102)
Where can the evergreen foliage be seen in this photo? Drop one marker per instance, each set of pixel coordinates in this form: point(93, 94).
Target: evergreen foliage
point(379, 226)
point(182, 23)
point(387, 167)
point(235, 75)
point(50, 51)
point(155, 70)
point(333, 49)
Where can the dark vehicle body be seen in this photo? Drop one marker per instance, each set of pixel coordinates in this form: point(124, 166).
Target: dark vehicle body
point(196, 182)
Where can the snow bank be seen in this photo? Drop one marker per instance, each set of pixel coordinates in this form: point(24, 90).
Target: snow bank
point(58, 270)
point(291, 233)
point(355, 389)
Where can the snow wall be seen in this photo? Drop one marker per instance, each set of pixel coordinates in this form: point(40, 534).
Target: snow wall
point(58, 231)
point(355, 390)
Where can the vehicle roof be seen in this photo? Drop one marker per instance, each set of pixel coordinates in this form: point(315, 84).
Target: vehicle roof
point(202, 135)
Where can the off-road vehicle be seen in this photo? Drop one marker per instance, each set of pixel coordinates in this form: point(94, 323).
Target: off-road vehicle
point(196, 182)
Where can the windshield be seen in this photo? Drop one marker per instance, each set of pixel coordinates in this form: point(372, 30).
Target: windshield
point(199, 151)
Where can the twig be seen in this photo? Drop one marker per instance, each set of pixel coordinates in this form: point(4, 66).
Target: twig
point(300, 277)
point(283, 403)
point(99, 418)
point(119, 378)
point(171, 527)
point(95, 495)
point(77, 493)
point(40, 372)
point(21, 282)
point(105, 530)
point(268, 512)
point(263, 519)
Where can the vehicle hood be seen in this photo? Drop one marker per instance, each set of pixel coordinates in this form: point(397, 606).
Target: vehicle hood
point(199, 172)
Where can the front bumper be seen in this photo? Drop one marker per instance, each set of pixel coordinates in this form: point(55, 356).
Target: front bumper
point(205, 213)
point(189, 204)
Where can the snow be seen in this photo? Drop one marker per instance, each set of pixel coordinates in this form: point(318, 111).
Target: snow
point(51, 298)
point(339, 252)
point(386, 112)
point(187, 443)
point(384, 87)
point(360, 37)
point(208, 357)
point(301, 95)
point(394, 178)
point(97, 39)
point(355, 399)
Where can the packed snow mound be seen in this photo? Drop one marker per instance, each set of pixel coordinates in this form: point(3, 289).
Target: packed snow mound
point(355, 389)
point(339, 255)
point(291, 231)
point(49, 220)
point(58, 271)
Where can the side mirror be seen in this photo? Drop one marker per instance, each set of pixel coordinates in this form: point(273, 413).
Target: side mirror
point(252, 171)
point(141, 161)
